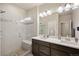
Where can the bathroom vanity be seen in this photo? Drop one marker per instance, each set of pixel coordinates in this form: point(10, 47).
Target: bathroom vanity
point(53, 47)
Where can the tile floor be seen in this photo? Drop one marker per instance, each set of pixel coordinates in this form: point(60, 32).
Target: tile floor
point(21, 52)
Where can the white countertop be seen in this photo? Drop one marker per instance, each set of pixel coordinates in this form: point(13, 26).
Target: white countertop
point(58, 41)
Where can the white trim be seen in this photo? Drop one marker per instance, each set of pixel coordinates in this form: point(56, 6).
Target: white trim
point(37, 20)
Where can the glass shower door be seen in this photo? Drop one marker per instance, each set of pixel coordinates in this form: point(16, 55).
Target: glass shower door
point(2, 29)
point(0, 35)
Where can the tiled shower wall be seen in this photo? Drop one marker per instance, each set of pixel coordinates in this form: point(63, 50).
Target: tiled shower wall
point(11, 28)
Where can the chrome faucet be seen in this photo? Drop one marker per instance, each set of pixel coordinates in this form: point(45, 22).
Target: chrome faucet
point(76, 40)
point(46, 36)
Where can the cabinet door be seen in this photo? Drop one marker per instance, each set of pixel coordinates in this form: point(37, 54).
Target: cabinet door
point(35, 49)
point(55, 52)
point(42, 54)
point(44, 49)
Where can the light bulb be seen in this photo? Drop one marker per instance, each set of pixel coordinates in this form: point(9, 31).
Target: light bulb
point(41, 15)
point(44, 13)
point(60, 9)
point(67, 8)
point(49, 12)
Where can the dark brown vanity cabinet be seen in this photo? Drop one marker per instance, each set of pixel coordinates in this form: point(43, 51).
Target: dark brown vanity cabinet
point(42, 48)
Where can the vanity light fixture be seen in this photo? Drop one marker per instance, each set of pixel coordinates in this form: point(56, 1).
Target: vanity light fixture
point(67, 7)
point(45, 13)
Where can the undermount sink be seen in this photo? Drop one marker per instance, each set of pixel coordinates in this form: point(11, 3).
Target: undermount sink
point(64, 40)
point(54, 39)
point(68, 40)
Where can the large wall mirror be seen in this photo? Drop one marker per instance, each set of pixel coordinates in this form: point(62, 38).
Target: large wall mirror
point(55, 24)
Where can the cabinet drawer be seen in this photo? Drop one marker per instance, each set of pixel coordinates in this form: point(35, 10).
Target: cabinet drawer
point(74, 54)
point(55, 52)
point(64, 48)
point(34, 41)
point(42, 54)
point(44, 49)
point(44, 43)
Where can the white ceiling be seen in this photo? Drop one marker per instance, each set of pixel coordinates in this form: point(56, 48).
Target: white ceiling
point(27, 5)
